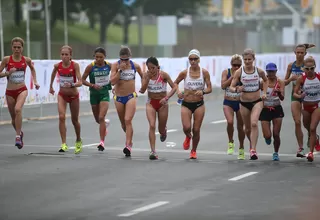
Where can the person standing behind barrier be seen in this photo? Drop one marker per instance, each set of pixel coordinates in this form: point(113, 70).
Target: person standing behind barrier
point(294, 70)
point(250, 99)
point(310, 96)
point(272, 110)
point(70, 79)
point(195, 79)
point(231, 105)
point(17, 92)
point(99, 76)
point(123, 75)
point(156, 82)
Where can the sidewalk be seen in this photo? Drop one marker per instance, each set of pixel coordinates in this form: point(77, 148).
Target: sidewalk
point(50, 111)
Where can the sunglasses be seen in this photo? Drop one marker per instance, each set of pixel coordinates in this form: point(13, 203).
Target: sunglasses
point(236, 65)
point(124, 59)
point(193, 59)
point(309, 68)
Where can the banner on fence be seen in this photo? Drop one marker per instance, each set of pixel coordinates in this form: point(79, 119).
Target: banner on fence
point(173, 66)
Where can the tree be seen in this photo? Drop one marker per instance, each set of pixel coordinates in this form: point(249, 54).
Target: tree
point(57, 10)
point(17, 12)
point(106, 10)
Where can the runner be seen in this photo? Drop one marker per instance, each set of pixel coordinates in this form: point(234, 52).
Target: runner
point(70, 79)
point(123, 75)
point(195, 79)
point(273, 111)
point(156, 81)
point(310, 95)
point(98, 72)
point(250, 98)
point(17, 92)
point(295, 70)
point(231, 105)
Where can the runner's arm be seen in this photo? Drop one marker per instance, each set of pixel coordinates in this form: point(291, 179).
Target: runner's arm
point(297, 88)
point(115, 74)
point(282, 89)
point(32, 70)
point(236, 78)
point(78, 75)
point(167, 77)
point(85, 76)
point(225, 82)
point(207, 80)
point(2, 66)
point(262, 74)
point(144, 82)
point(287, 78)
point(53, 74)
point(181, 76)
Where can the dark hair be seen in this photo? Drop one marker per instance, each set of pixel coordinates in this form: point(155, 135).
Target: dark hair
point(125, 51)
point(100, 50)
point(153, 60)
point(305, 46)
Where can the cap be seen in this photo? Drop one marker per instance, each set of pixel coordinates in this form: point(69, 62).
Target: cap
point(271, 67)
point(194, 52)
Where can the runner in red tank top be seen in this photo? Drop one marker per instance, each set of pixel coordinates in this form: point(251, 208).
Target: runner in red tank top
point(70, 79)
point(156, 82)
point(17, 92)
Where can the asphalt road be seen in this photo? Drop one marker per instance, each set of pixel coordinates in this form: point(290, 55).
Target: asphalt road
point(37, 182)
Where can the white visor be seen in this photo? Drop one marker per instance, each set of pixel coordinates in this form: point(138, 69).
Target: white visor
point(194, 52)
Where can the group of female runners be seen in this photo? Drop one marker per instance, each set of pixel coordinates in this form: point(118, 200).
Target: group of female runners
point(249, 93)
point(254, 95)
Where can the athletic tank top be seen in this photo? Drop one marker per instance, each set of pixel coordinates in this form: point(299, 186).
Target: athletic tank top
point(158, 85)
point(272, 98)
point(228, 92)
point(250, 82)
point(296, 70)
point(66, 75)
point(194, 84)
point(311, 88)
point(128, 74)
point(17, 76)
point(100, 75)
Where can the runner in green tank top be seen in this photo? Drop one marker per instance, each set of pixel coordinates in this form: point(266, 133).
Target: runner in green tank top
point(99, 77)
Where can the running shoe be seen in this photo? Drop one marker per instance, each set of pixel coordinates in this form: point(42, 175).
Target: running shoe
point(268, 141)
point(153, 155)
point(193, 154)
point(127, 151)
point(163, 137)
point(78, 147)
point(101, 146)
point(300, 153)
point(21, 137)
point(241, 155)
point(275, 156)
point(186, 143)
point(310, 157)
point(230, 148)
point(253, 155)
point(19, 143)
point(63, 148)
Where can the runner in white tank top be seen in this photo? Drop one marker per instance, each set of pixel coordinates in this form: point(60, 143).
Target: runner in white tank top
point(231, 107)
point(250, 98)
point(310, 82)
point(195, 79)
point(272, 111)
point(123, 75)
point(155, 81)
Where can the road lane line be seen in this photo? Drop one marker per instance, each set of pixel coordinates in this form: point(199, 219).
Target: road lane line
point(144, 208)
point(168, 131)
point(242, 176)
point(219, 121)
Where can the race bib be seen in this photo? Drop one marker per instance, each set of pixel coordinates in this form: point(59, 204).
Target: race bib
point(102, 80)
point(66, 80)
point(17, 77)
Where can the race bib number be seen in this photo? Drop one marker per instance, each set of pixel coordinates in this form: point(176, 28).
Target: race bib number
point(17, 77)
point(65, 80)
point(102, 80)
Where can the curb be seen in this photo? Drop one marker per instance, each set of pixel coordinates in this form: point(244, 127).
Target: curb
point(113, 110)
point(69, 115)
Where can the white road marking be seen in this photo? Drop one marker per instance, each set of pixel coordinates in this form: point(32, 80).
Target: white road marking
point(144, 208)
point(168, 131)
point(242, 176)
point(219, 121)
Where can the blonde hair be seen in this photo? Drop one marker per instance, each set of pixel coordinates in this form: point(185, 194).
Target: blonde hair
point(236, 57)
point(309, 59)
point(17, 39)
point(249, 51)
point(125, 51)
